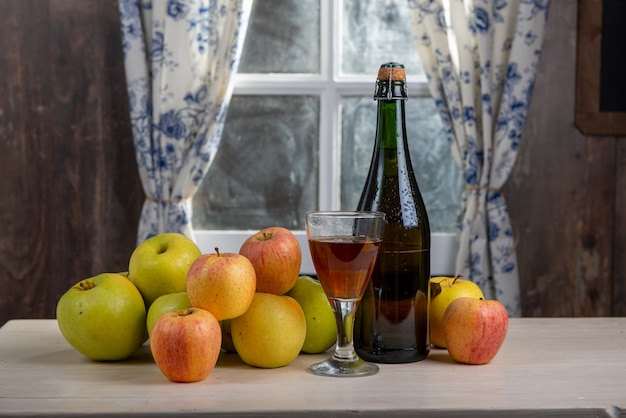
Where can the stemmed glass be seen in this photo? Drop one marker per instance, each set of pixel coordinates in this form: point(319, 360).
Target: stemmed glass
point(344, 247)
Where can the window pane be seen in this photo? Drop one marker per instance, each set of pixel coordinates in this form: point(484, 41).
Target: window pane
point(266, 171)
point(435, 169)
point(375, 32)
point(283, 37)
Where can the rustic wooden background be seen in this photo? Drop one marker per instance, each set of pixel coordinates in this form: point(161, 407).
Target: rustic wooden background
point(70, 189)
point(70, 192)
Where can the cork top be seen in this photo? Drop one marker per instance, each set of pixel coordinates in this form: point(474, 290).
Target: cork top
point(391, 82)
point(392, 71)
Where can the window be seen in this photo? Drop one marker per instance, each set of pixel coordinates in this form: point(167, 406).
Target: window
point(300, 127)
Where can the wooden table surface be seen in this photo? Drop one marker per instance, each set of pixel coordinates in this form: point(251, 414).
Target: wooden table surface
point(570, 367)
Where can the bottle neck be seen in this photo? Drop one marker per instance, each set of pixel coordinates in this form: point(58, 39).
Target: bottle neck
point(390, 90)
point(390, 126)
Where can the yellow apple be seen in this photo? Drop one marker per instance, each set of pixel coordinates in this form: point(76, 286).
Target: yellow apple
point(222, 283)
point(321, 327)
point(444, 290)
point(271, 333)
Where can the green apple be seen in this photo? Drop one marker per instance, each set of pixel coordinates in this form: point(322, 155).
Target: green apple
point(321, 328)
point(164, 304)
point(159, 265)
point(103, 317)
point(271, 333)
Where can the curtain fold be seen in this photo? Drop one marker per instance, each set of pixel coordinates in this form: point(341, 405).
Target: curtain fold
point(480, 57)
point(180, 58)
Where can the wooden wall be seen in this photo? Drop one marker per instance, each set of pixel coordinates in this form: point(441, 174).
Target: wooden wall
point(70, 193)
point(567, 194)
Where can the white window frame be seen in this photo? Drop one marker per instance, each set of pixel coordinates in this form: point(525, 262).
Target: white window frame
point(330, 85)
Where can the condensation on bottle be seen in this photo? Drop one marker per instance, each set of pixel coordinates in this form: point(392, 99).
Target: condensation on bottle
point(392, 318)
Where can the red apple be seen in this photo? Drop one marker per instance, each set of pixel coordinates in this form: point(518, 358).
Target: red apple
point(221, 283)
point(185, 344)
point(475, 329)
point(276, 256)
point(444, 290)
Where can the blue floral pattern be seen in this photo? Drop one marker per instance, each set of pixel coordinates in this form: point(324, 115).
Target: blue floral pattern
point(180, 57)
point(480, 57)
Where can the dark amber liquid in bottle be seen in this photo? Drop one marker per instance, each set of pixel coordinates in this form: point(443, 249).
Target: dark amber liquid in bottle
point(392, 319)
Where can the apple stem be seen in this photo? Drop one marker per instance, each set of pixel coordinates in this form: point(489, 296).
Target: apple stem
point(185, 312)
point(217, 250)
point(267, 236)
point(458, 276)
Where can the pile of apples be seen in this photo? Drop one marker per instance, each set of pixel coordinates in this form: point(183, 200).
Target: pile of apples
point(192, 306)
point(461, 320)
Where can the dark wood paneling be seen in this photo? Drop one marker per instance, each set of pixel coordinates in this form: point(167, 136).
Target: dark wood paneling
point(561, 193)
point(71, 193)
point(619, 242)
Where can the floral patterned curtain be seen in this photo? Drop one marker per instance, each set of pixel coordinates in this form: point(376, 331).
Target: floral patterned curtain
point(180, 57)
point(480, 57)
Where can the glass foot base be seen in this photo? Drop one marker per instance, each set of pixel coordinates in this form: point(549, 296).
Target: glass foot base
point(338, 368)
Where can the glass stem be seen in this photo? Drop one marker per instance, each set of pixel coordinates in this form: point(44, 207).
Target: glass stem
point(344, 315)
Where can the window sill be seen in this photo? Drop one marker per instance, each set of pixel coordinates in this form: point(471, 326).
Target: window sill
point(444, 247)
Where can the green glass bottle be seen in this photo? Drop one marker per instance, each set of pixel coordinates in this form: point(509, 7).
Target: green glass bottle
point(392, 318)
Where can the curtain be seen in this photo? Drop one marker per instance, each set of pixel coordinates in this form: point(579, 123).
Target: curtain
point(180, 57)
point(480, 57)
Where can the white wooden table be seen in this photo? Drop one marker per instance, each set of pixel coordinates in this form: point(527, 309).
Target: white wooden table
point(546, 367)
